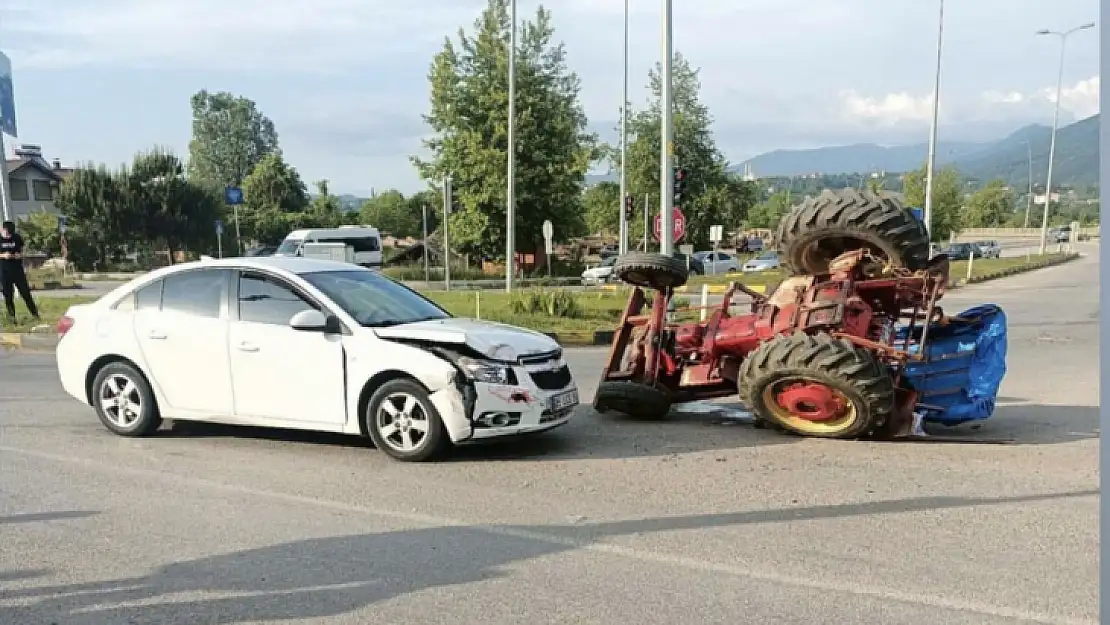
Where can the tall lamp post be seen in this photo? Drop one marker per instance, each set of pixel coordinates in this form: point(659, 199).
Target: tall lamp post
point(510, 195)
point(622, 245)
point(666, 171)
point(1055, 122)
point(930, 164)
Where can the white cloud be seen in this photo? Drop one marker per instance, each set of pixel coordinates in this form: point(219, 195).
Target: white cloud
point(1003, 97)
point(889, 109)
point(1081, 98)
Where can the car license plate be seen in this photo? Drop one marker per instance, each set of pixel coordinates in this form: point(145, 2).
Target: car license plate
point(562, 401)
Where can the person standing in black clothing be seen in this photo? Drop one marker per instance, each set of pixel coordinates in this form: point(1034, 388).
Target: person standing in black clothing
point(12, 276)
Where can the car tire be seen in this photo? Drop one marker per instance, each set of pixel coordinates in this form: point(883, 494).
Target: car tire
point(410, 412)
point(124, 401)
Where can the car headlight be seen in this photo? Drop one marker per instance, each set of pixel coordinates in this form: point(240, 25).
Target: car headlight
point(485, 371)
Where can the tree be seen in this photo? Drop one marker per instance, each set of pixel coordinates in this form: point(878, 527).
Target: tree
point(469, 119)
point(947, 199)
point(230, 137)
point(165, 206)
point(602, 206)
point(427, 202)
point(325, 210)
point(93, 200)
point(390, 212)
point(990, 206)
point(275, 201)
point(767, 214)
point(712, 196)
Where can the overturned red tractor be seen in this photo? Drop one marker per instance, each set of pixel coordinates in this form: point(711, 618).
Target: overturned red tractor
point(843, 348)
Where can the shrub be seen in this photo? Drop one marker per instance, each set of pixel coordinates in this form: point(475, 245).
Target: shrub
point(554, 303)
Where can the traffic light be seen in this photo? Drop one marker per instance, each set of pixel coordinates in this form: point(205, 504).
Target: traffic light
point(629, 206)
point(679, 184)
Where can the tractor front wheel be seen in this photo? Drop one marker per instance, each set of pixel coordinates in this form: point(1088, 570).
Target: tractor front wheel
point(639, 401)
point(817, 386)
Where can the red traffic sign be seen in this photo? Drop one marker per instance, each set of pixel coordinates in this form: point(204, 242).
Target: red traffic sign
point(679, 225)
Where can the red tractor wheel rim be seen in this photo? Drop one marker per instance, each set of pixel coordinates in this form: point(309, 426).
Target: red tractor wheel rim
point(812, 401)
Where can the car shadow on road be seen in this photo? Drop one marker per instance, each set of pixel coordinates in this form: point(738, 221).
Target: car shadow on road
point(333, 576)
point(587, 436)
point(1031, 424)
point(36, 517)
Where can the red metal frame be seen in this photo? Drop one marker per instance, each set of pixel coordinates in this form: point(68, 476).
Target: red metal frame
point(700, 360)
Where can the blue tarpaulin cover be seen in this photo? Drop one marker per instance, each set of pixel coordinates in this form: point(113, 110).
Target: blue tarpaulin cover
point(965, 364)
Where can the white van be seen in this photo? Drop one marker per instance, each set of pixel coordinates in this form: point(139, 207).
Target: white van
point(365, 241)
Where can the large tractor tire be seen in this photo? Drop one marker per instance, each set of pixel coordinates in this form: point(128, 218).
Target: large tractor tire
point(638, 401)
point(819, 229)
point(652, 271)
point(817, 386)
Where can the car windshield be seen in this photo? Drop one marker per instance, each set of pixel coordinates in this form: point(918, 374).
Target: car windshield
point(373, 300)
point(288, 246)
point(608, 262)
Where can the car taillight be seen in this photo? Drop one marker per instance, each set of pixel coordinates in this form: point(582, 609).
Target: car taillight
point(64, 324)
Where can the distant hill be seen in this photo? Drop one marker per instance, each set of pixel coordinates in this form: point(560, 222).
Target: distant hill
point(862, 157)
point(1076, 156)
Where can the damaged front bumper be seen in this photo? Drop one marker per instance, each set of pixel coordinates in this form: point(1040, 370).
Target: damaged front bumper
point(538, 396)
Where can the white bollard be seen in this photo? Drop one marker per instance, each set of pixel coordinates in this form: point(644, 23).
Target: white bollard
point(970, 263)
point(704, 300)
point(477, 304)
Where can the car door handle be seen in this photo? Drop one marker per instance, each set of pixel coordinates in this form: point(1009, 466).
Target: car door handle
point(156, 334)
point(247, 347)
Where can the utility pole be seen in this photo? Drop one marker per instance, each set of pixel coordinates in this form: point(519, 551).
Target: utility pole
point(424, 242)
point(666, 108)
point(1029, 199)
point(510, 205)
point(446, 239)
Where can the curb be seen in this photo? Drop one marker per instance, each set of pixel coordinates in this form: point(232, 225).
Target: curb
point(29, 340)
point(1013, 271)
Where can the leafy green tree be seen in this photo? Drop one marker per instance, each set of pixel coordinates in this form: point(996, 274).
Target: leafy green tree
point(990, 206)
point(712, 196)
point(93, 200)
point(275, 201)
point(427, 202)
point(767, 214)
point(602, 204)
point(391, 213)
point(469, 119)
point(947, 199)
point(325, 210)
point(230, 137)
point(165, 206)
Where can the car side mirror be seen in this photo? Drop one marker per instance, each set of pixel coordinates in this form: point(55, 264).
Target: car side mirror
point(315, 321)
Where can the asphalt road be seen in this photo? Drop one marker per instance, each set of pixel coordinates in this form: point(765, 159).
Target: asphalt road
point(698, 520)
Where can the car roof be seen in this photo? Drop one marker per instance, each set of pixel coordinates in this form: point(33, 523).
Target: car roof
point(291, 264)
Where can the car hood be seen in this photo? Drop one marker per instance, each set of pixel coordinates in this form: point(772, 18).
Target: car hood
point(598, 271)
point(759, 263)
point(496, 340)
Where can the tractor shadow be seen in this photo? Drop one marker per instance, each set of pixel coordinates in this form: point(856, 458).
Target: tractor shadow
point(333, 576)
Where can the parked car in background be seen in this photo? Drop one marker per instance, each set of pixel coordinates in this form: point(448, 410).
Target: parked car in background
point(262, 250)
point(697, 267)
point(989, 248)
point(962, 251)
point(763, 262)
point(1060, 235)
point(611, 249)
point(311, 345)
point(601, 274)
point(755, 244)
point(718, 262)
point(364, 241)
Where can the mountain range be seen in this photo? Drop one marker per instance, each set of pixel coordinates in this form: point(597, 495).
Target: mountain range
point(1076, 161)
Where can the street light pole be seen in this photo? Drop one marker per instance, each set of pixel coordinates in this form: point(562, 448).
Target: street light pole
point(1055, 123)
point(666, 172)
point(1029, 198)
point(930, 164)
point(510, 195)
point(622, 245)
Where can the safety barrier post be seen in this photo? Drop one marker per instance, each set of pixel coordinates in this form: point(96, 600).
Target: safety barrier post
point(704, 300)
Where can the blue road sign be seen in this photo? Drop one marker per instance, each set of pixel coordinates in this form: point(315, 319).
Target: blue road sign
point(919, 213)
point(219, 228)
point(233, 195)
point(62, 224)
point(7, 98)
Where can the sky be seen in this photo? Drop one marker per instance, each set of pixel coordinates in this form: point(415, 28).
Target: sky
point(345, 81)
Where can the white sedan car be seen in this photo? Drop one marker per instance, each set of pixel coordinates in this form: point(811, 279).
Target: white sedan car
point(312, 345)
